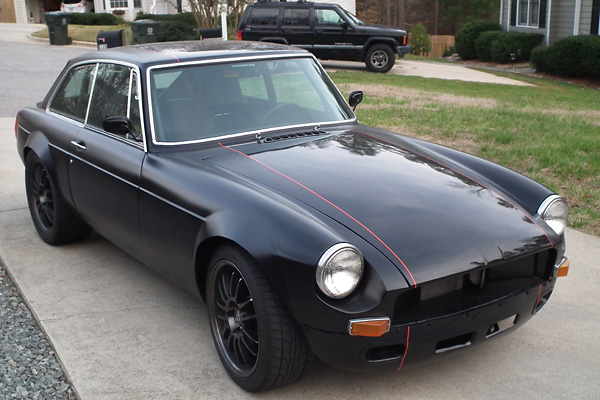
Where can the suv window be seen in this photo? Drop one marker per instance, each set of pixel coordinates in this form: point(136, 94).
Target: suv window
point(328, 17)
point(72, 97)
point(296, 17)
point(263, 16)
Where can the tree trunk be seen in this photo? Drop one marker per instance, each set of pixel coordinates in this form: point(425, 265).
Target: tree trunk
point(401, 13)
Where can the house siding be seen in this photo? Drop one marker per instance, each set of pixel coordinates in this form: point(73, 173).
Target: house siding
point(586, 17)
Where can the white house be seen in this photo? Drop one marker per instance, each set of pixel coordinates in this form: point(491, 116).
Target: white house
point(32, 11)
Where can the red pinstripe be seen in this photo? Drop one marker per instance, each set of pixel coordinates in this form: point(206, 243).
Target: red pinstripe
point(331, 204)
point(469, 178)
point(406, 349)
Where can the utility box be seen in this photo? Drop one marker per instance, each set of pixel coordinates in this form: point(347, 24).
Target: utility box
point(144, 31)
point(58, 28)
point(109, 39)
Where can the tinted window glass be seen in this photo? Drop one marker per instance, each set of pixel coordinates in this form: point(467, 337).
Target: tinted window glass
point(328, 17)
point(296, 17)
point(263, 16)
point(208, 101)
point(111, 93)
point(72, 97)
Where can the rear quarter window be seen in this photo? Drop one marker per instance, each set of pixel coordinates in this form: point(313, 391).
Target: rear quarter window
point(72, 97)
point(263, 16)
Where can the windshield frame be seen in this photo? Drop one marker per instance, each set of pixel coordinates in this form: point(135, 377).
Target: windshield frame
point(254, 132)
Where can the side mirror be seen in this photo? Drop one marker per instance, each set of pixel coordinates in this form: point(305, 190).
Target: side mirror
point(355, 99)
point(119, 126)
point(345, 25)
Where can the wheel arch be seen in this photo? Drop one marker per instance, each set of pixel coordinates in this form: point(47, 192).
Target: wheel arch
point(372, 41)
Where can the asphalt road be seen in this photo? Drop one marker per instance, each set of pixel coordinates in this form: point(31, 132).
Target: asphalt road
point(122, 332)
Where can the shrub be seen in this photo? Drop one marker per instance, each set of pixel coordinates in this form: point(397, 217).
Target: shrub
point(95, 19)
point(468, 34)
point(173, 31)
point(186, 18)
point(573, 56)
point(419, 39)
point(504, 47)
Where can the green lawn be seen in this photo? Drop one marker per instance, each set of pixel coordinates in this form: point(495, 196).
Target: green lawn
point(550, 131)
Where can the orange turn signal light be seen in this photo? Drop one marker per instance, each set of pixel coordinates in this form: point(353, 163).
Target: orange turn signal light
point(371, 327)
point(562, 269)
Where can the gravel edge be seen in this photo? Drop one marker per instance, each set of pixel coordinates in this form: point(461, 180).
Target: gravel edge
point(29, 366)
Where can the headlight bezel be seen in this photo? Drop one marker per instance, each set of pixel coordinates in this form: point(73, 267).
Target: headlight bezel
point(551, 205)
point(326, 271)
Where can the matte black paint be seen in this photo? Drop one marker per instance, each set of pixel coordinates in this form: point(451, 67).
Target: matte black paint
point(286, 200)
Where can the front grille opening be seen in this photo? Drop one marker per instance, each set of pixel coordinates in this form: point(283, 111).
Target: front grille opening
point(454, 343)
point(501, 326)
point(385, 353)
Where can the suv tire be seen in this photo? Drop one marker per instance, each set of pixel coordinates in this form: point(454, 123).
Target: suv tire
point(380, 58)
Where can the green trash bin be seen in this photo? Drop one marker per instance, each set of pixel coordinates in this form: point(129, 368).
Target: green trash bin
point(144, 31)
point(58, 29)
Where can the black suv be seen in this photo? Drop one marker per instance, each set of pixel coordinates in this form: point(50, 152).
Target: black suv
point(326, 30)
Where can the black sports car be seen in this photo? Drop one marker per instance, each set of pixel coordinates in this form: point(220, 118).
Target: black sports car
point(238, 171)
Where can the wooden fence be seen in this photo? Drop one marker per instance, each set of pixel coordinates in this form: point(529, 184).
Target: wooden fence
point(439, 44)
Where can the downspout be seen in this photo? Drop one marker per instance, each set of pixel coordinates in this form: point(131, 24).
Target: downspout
point(548, 23)
point(577, 20)
point(501, 8)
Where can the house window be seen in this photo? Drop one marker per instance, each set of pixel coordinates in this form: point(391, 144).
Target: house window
point(529, 13)
point(118, 4)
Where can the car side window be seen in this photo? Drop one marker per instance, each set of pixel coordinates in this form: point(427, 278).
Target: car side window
point(111, 93)
point(296, 17)
point(328, 17)
point(71, 99)
point(263, 16)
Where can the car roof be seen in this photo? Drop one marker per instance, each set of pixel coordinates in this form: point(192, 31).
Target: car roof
point(146, 55)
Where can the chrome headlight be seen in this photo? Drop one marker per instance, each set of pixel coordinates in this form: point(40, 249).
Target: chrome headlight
point(339, 270)
point(555, 212)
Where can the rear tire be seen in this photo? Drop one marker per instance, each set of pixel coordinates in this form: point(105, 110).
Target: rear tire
point(380, 58)
point(54, 220)
point(260, 345)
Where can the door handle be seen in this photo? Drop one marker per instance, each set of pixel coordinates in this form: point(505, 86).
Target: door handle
point(79, 145)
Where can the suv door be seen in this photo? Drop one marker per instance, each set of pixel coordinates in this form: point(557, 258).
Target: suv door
point(296, 27)
point(335, 37)
point(261, 22)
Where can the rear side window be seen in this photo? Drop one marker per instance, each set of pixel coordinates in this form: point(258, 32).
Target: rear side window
point(263, 16)
point(71, 99)
point(296, 17)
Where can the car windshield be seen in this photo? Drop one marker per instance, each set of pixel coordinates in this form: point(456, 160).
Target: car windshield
point(207, 101)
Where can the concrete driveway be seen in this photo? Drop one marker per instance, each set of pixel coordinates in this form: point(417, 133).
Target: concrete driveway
point(122, 332)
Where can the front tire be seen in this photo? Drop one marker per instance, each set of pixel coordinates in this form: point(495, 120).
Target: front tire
point(258, 342)
point(380, 58)
point(53, 219)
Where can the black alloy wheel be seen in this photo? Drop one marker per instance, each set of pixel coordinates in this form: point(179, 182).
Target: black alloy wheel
point(55, 222)
point(258, 342)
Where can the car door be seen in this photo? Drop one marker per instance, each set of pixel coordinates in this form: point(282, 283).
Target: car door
point(66, 115)
point(296, 27)
point(104, 172)
point(334, 36)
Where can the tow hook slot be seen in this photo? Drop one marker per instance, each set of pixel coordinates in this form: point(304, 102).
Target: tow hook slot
point(501, 326)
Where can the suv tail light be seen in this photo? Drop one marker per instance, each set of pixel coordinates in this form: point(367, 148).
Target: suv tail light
point(239, 35)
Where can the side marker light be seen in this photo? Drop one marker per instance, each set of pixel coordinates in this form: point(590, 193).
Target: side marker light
point(371, 327)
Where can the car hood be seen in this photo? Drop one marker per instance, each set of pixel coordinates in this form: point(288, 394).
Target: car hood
point(429, 219)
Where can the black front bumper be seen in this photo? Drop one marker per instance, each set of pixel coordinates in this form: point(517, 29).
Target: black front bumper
point(411, 343)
